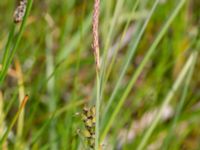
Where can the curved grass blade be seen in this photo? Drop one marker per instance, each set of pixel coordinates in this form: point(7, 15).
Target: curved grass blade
point(140, 68)
point(132, 51)
point(23, 104)
point(16, 44)
point(111, 100)
point(178, 82)
point(178, 109)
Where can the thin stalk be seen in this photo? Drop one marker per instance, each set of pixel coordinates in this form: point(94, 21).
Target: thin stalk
point(120, 43)
point(113, 59)
point(2, 140)
point(97, 112)
point(16, 44)
point(95, 45)
point(50, 86)
point(20, 124)
point(112, 97)
point(52, 116)
point(179, 107)
point(139, 70)
point(2, 120)
point(1, 113)
point(118, 7)
point(70, 121)
point(8, 45)
point(2, 116)
point(178, 82)
point(10, 103)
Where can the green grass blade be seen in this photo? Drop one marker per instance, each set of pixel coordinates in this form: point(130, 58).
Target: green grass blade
point(97, 129)
point(179, 108)
point(191, 60)
point(4, 137)
point(15, 46)
point(121, 39)
point(110, 66)
point(132, 51)
point(8, 45)
point(111, 100)
point(140, 68)
point(118, 7)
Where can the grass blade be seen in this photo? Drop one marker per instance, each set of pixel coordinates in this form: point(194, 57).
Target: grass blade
point(180, 79)
point(140, 68)
point(15, 46)
point(112, 97)
point(23, 104)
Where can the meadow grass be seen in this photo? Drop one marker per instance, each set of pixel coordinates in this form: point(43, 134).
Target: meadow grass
point(136, 61)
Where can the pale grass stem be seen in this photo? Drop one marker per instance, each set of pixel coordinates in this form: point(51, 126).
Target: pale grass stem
point(95, 26)
point(20, 124)
point(4, 137)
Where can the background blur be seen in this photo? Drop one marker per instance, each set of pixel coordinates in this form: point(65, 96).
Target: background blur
point(150, 83)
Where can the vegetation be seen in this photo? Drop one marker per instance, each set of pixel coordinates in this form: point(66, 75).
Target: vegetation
point(115, 74)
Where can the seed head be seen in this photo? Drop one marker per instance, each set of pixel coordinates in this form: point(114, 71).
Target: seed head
point(20, 11)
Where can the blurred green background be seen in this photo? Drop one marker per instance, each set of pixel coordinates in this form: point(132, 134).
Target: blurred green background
point(150, 78)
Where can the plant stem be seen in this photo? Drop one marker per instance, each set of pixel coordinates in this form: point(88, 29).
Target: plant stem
point(97, 111)
point(8, 60)
point(168, 98)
